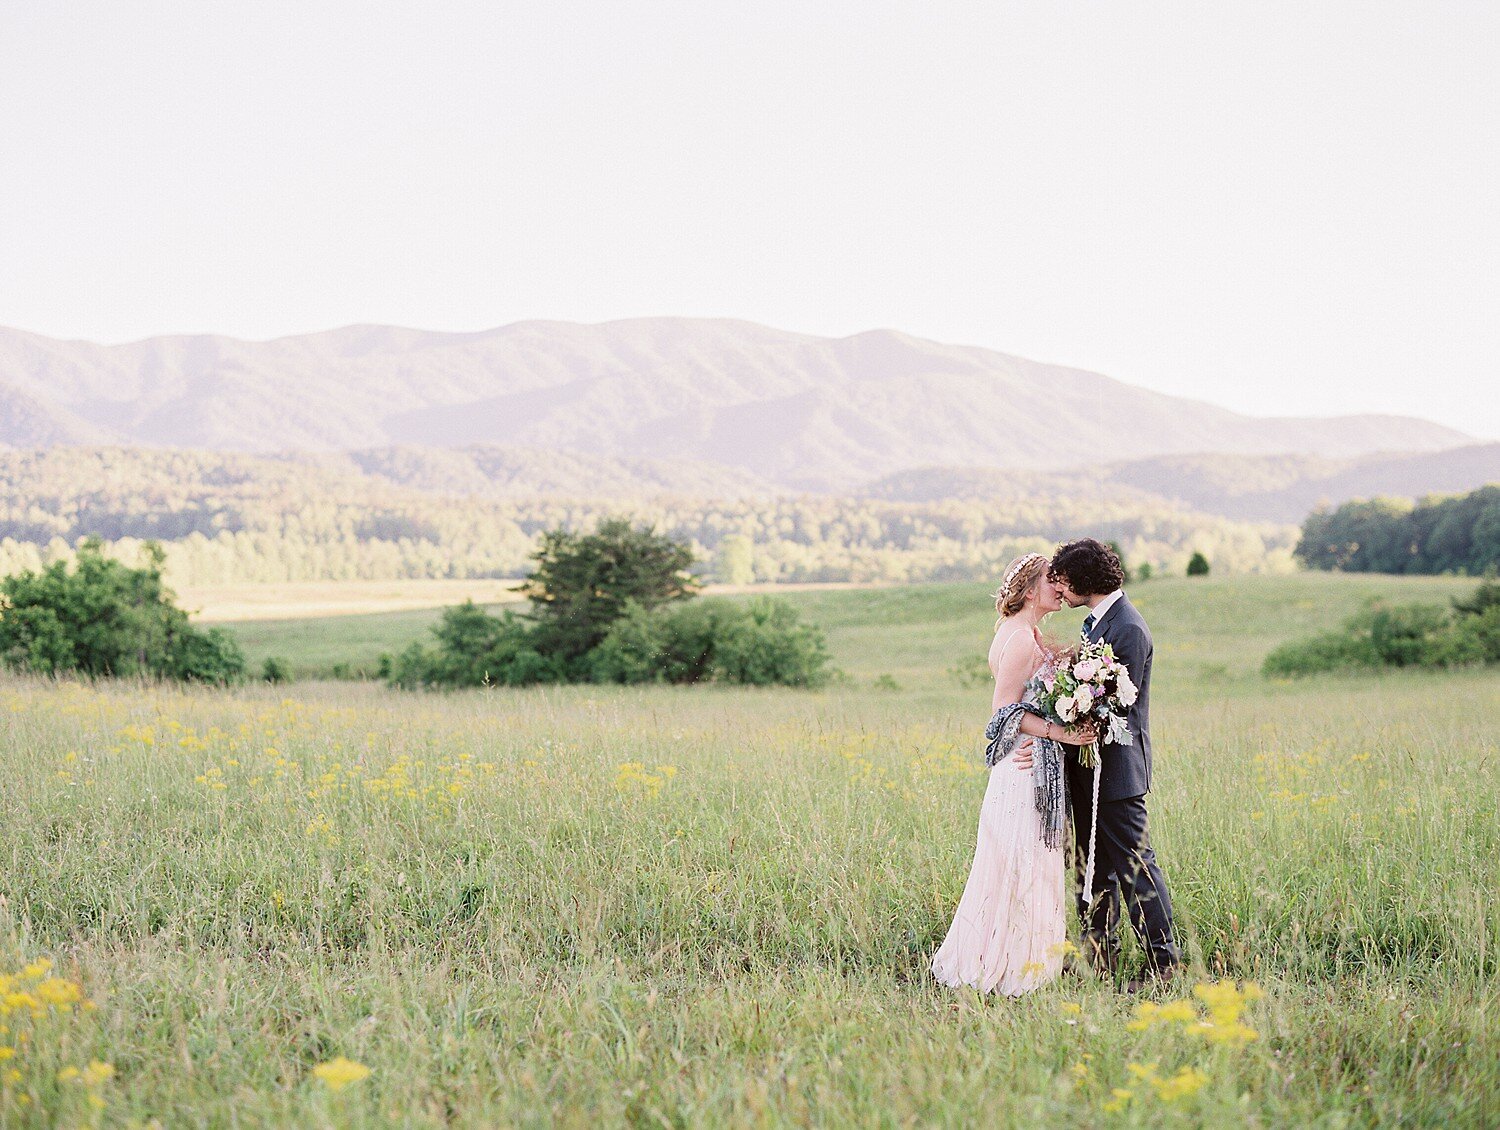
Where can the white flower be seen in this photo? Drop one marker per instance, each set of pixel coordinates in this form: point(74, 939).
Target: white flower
point(1083, 701)
point(1126, 690)
point(1066, 709)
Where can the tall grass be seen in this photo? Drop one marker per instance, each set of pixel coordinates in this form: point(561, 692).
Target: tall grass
point(669, 907)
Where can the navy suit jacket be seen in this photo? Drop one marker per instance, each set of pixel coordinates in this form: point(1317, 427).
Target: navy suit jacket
point(1124, 767)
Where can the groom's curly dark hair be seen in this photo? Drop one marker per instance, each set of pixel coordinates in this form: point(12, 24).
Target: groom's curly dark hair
point(1090, 567)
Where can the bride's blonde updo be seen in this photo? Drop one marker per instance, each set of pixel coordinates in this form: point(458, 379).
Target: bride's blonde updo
point(1023, 572)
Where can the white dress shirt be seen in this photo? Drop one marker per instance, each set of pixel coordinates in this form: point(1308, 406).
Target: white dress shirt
point(1098, 611)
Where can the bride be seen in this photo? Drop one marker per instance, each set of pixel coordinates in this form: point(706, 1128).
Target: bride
point(1008, 932)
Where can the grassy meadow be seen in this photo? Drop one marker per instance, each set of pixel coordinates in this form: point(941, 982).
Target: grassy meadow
point(683, 907)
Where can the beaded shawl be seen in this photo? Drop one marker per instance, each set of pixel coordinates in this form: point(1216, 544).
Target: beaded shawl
point(1004, 733)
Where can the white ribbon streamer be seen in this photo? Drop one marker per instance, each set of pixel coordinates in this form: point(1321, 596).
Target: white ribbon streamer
point(1088, 869)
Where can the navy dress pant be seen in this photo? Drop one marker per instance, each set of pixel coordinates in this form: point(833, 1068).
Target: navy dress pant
point(1125, 869)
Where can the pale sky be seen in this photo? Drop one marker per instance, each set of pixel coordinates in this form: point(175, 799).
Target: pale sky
point(1280, 207)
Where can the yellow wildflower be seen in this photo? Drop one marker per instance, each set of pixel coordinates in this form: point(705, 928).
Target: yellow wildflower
point(97, 1073)
point(1236, 1033)
point(1188, 1081)
point(58, 992)
point(13, 1002)
point(339, 1073)
point(1145, 1016)
point(1222, 998)
point(1180, 1012)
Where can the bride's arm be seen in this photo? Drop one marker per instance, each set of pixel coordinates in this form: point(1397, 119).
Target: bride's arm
point(1011, 668)
point(1068, 735)
point(1011, 672)
point(1041, 728)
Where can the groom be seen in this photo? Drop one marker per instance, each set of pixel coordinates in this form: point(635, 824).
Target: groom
point(1087, 572)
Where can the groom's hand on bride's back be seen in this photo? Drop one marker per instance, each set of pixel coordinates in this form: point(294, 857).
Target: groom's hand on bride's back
point(1022, 756)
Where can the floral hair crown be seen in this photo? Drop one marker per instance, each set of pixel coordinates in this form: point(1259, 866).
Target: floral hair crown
point(1015, 570)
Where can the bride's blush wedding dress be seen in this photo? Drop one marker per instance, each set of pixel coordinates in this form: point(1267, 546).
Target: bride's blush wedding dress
point(1009, 930)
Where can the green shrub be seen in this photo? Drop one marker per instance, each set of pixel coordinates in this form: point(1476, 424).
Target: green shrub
point(669, 646)
point(768, 645)
point(1403, 636)
point(277, 670)
point(1485, 597)
point(103, 618)
point(1469, 641)
point(762, 643)
point(213, 656)
point(1197, 565)
point(615, 606)
point(1331, 651)
point(475, 649)
point(1411, 635)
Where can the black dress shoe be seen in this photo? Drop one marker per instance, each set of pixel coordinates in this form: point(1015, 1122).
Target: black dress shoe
point(1154, 981)
point(1104, 960)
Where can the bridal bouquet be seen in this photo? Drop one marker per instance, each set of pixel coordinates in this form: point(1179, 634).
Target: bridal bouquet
point(1087, 685)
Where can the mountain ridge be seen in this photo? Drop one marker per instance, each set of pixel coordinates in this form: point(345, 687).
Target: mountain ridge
point(800, 411)
point(1279, 488)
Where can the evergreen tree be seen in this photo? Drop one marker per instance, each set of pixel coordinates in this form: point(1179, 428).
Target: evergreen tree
point(582, 582)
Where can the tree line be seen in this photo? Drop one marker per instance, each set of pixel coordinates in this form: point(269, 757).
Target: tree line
point(1458, 534)
point(225, 519)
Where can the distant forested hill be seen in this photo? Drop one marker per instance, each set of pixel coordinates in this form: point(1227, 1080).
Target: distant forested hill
point(419, 512)
point(391, 513)
point(1285, 488)
point(1270, 488)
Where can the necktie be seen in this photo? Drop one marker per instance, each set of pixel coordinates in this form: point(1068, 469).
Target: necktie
point(1088, 623)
